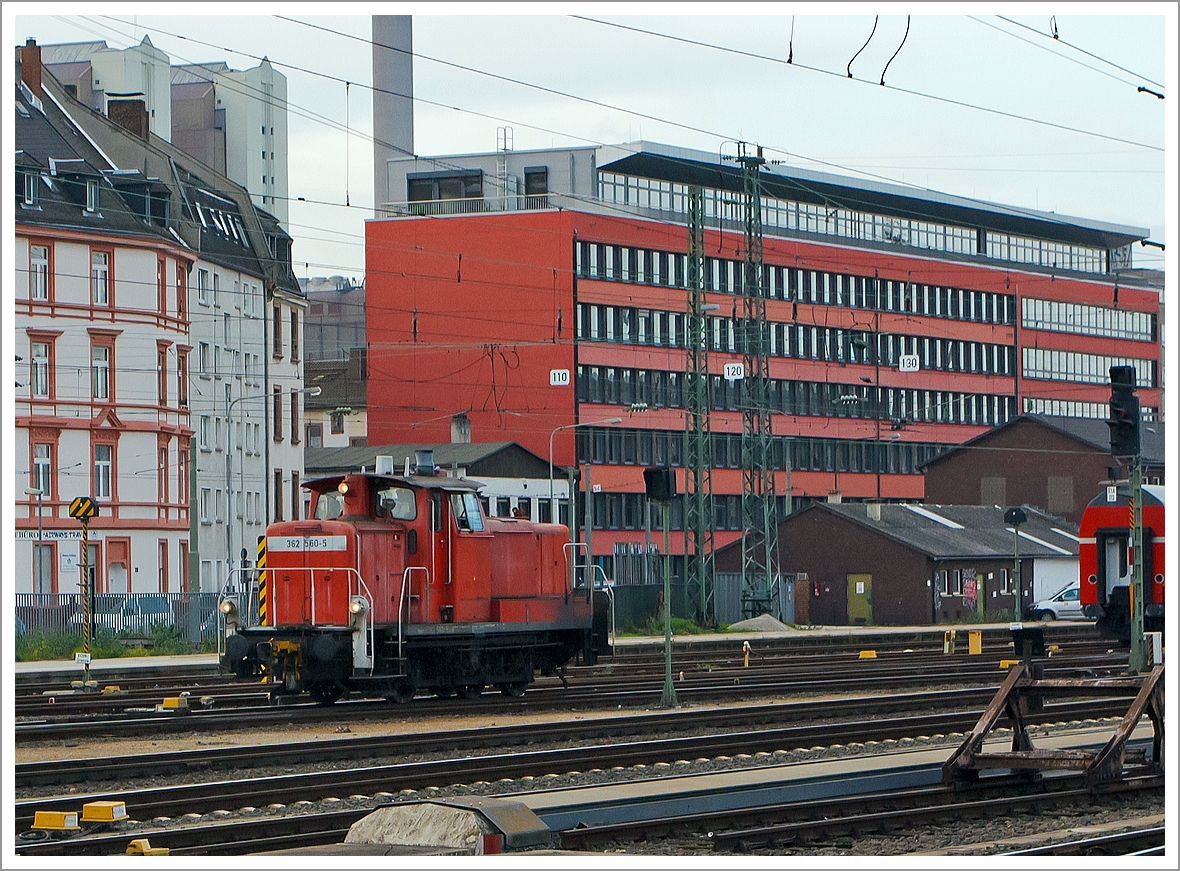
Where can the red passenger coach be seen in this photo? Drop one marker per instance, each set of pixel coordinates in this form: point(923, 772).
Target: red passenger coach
point(397, 584)
point(1106, 560)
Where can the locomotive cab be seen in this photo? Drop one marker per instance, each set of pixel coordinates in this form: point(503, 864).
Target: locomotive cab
point(396, 584)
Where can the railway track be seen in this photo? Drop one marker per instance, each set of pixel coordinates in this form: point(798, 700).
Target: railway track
point(210, 796)
point(127, 717)
point(1138, 842)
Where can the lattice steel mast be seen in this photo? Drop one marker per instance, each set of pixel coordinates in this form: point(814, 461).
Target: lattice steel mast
point(698, 451)
point(759, 517)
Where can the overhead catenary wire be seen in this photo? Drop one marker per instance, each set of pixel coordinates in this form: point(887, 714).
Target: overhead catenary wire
point(443, 162)
point(1056, 38)
point(896, 53)
point(876, 18)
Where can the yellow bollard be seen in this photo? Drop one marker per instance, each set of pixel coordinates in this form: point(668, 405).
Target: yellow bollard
point(746, 654)
point(868, 654)
point(1006, 664)
point(143, 847)
point(974, 642)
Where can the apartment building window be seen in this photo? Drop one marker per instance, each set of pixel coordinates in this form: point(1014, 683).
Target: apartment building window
point(296, 498)
point(162, 375)
point(100, 278)
point(181, 289)
point(182, 472)
point(219, 505)
point(43, 469)
point(294, 417)
point(337, 423)
point(162, 565)
point(205, 507)
point(103, 471)
point(203, 286)
point(182, 378)
point(278, 413)
point(162, 474)
point(277, 349)
point(91, 195)
point(32, 189)
point(216, 289)
point(100, 372)
point(203, 433)
point(203, 359)
point(161, 287)
point(294, 336)
point(41, 366)
point(278, 483)
point(315, 435)
point(39, 273)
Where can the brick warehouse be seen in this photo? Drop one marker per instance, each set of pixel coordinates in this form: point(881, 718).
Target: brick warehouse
point(498, 269)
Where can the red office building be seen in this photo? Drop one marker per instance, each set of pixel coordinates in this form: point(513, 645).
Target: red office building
point(532, 291)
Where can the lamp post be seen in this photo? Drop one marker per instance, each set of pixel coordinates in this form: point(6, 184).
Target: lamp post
point(39, 493)
point(610, 420)
point(229, 454)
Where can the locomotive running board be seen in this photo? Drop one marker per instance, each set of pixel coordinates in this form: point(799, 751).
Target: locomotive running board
point(1024, 690)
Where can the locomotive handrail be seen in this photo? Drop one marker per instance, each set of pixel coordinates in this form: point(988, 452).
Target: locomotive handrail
point(573, 565)
point(402, 600)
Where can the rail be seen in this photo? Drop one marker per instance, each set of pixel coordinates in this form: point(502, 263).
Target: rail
point(403, 602)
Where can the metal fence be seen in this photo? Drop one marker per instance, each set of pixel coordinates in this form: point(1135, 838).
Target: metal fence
point(128, 615)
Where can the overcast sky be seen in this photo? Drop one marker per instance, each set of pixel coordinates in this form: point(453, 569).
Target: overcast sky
point(802, 113)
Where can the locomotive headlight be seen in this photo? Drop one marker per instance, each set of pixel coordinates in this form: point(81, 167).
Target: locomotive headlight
point(342, 488)
point(229, 607)
point(356, 605)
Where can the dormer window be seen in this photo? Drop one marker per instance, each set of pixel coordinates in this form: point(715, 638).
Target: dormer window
point(91, 195)
point(32, 189)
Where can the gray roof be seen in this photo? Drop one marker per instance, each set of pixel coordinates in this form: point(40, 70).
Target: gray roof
point(1089, 430)
point(983, 532)
point(673, 163)
point(71, 52)
point(489, 459)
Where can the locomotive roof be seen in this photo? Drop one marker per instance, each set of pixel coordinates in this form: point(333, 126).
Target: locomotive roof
point(423, 482)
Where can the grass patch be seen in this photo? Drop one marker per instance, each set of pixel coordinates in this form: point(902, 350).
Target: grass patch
point(163, 641)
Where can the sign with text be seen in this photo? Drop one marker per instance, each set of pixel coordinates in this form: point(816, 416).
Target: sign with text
point(735, 371)
point(559, 377)
point(275, 543)
point(50, 535)
point(908, 363)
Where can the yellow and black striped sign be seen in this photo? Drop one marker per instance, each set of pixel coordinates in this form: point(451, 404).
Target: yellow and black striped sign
point(83, 508)
point(262, 580)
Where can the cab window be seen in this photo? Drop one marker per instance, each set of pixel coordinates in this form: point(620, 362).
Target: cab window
point(397, 503)
point(1070, 595)
point(328, 505)
point(468, 516)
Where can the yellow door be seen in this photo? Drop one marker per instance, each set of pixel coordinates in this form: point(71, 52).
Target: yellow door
point(860, 600)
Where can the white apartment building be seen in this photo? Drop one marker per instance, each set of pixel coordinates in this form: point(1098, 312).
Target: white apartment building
point(101, 341)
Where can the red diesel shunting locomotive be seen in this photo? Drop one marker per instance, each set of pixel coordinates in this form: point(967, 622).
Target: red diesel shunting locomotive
point(1106, 560)
point(396, 584)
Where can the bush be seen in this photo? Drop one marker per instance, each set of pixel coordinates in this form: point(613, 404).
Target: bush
point(655, 626)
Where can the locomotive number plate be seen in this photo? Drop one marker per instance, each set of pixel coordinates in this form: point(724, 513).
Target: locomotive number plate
point(306, 542)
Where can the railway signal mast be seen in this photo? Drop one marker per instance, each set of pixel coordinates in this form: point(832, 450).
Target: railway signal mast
point(698, 451)
point(1124, 445)
point(759, 523)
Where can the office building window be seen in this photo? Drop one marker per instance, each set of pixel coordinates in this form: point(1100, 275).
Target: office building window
point(100, 372)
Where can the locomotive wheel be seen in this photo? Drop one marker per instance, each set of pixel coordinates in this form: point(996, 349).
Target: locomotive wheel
point(444, 692)
point(470, 691)
point(515, 688)
point(326, 692)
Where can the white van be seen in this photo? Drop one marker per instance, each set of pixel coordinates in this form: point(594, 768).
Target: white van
point(1066, 605)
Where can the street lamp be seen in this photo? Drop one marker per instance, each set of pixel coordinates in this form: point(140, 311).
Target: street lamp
point(229, 453)
point(610, 420)
point(38, 492)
